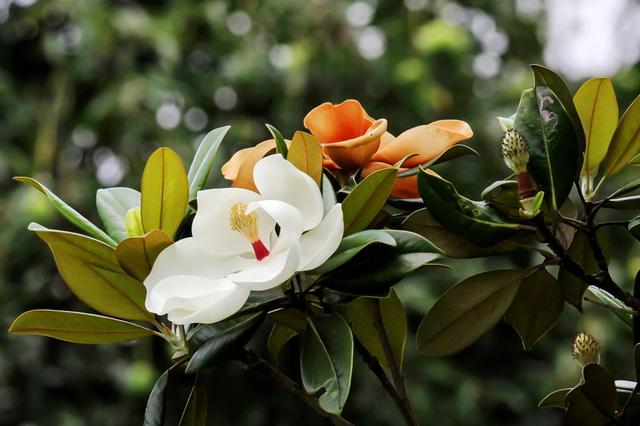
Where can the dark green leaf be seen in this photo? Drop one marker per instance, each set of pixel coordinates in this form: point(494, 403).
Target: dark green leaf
point(555, 399)
point(281, 145)
point(278, 338)
point(594, 401)
point(536, 308)
point(77, 327)
point(503, 195)
point(154, 413)
point(452, 244)
point(326, 361)
point(573, 288)
point(553, 147)
point(466, 311)
point(203, 159)
point(366, 200)
point(476, 221)
point(195, 412)
point(634, 227)
point(216, 342)
point(624, 203)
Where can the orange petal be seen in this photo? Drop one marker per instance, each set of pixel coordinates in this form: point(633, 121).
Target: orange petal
point(334, 123)
point(354, 153)
point(405, 187)
point(242, 163)
point(231, 168)
point(428, 141)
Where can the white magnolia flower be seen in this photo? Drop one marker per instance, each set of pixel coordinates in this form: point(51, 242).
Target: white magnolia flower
point(236, 246)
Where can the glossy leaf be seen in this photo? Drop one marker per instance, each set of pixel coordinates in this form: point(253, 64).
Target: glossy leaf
point(352, 245)
point(366, 314)
point(536, 308)
point(68, 212)
point(215, 342)
point(195, 412)
point(77, 327)
point(203, 160)
point(573, 288)
point(597, 107)
point(280, 335)
point(306, 154)
point(594, 401)
point(476, 221)
point(624, 203)
point(366, 200)
point(452, 244)
point(453, 152)
point(634, 227)
point(503, 195)
point(137, 254)
point(326, 361)
point(290, 318)
point(91, 270)
point(555, 399)
point(606, 300)
point(625, 143)
point(281, 145)
point(113, 205)
point(154, 413)
point(546, 77)
point(466, 311)
point(165, 192)
point(553, 147)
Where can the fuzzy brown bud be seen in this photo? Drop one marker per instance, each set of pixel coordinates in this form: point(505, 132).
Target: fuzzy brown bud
point(586, 349)
point(515, 151)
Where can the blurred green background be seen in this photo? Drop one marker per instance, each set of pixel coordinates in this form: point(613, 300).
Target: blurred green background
point(89, 88)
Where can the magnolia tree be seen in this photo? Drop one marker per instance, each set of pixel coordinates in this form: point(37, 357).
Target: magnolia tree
point(315, 231)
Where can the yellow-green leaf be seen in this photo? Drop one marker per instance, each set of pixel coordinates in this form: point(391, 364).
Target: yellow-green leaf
point(625, 142)
point(77, 327)
point(165, 192)
point(91, 270)
point(68, 212)
point(137, 254)
point(306, 154)
point(366, 200)
point(597, 107)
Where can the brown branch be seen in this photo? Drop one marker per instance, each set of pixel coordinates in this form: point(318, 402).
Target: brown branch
point(254, 362)
point(406, 409)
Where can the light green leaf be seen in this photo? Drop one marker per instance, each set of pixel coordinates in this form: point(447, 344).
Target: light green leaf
point(506, 123)
point(165, 192)
point(536, 308)
point(596, 104)
point(326, 361)
point(77, 327)
point(476, 221)
point(203, 160)
point(113, 205)
point(154, 412)
point(215, 342)
point(68, 212)
point(91, 270)
point(362, 316)
point(625, 142)
point(553, 147)
point(605, 299)
point(281, 145)
point(195, 412)
point(280, 335)
point(466, 311)
point(366, 200)
point(306, 154)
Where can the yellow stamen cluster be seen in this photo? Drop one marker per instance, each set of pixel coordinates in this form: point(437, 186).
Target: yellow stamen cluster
point(515, 150)
point(240, 221)
point(586, 349)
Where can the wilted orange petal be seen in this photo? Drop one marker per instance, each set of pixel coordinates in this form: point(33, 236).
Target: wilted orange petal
point(428, 141)
point(230, 168)
point(354, 153)
point(244, 173)
point(334, 123)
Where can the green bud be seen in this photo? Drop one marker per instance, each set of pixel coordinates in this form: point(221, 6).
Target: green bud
point(133, 222)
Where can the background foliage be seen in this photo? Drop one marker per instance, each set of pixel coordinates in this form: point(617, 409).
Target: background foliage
point(89, 89)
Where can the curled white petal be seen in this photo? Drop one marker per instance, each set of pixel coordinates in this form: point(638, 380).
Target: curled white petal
point(318, 244)
point(272, 271)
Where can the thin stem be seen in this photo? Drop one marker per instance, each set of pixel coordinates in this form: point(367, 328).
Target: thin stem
point(396, 374)
point(254, 362)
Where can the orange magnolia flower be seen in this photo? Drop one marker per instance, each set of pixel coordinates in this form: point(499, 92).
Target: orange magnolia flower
point(351, 139)
point(239, 168)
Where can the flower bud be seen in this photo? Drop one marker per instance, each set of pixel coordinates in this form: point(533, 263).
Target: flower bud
point(586, 349)
point(515, 151)
point(133, 222)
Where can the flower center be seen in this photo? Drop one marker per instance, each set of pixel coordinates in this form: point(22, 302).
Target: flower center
point(247, 225)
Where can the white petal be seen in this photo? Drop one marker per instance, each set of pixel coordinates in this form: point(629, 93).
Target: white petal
point(317, 245)
point(272, 271)
point(278, 179)
point(286, 216)
point(186, 257)
point(211, 225)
